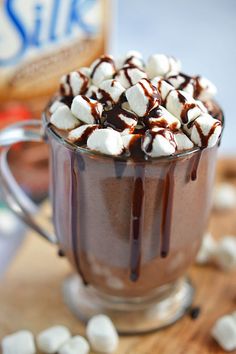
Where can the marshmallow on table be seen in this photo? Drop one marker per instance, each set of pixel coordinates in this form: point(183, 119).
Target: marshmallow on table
point(161, 65)
point(160, 117)
point(205, 89)
point(224, 332)
point(75, 345)
point(50, 340)
point(129, 75)
point(207, 250)
point(21, 342)
point(182, 105)
point(106, 141)
point(62, 118)
point(182, 141)
point(86, 109)
point(225, 256)
point(74, 83)
point(102, 334)
point(102, 69)
point(159, 142)
point(224, 197)
point(142, 97)
point(82, 133)
point(111, 90)
point(205, 130)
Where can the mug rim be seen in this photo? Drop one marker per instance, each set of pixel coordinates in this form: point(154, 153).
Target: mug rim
point(97, 154)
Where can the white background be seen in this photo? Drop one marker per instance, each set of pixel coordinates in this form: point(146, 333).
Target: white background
point(202, 33)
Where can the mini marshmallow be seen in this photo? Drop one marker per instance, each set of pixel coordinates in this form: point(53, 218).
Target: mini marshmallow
point(205, 131)
point(226, 253)
point(102, 69)
point(93, 92)
point(142, 97)
point(102, 334)
point(75, 345)
point(86, 109)
point(182, 141)
point(86, 71)
point(161, 65)
point(224, 197)
point(162, 86)
point(63, 119)
point(160, 117)
point(182, 82)
point(106, 141)
point(207, 250)
point(21, 342)
point(112, 89)
point(182, 105)
point(159, 142)
point(135, 58)
point(129, 75)
point(224, 332)
point(56, 104)
point(50, 340)
point(81, 133)
point(202, 106)
point(206, 88)
point(74, 83)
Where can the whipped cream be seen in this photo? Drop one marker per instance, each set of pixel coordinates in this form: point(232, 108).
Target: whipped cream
point(128, 107)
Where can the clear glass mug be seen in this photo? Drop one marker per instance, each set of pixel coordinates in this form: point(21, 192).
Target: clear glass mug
point(130, 229)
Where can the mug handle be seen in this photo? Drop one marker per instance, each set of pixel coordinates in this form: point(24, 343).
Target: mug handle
point(13, 194)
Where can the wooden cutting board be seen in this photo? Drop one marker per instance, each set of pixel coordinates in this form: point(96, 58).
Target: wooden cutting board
point(30, 294)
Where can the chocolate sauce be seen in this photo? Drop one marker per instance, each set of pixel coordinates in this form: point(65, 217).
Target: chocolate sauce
point(113, 118)
point(196, 162)
point(136, 227)
point(103, 59)
point(197, 87)
point(168, 196)
point(94, 109)
point(67, 100)
point(153, 95)
point(205, 138)
point(186, 107)
point(74, 216)
point(155, 118)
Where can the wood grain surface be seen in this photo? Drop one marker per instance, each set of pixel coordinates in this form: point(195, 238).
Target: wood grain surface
point(30, 294)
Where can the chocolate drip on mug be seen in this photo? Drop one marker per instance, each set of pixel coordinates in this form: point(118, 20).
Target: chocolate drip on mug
point(168, 196)
point(136, 227)
point(74, 218)
point(196, 162)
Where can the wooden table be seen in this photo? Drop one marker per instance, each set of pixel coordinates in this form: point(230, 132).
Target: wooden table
point(30, 295)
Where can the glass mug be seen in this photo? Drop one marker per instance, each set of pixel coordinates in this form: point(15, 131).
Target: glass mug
point(130, 229)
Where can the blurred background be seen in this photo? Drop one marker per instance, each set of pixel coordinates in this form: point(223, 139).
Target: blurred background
point(42, 39)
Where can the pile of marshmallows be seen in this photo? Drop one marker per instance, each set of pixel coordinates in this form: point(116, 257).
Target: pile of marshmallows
point(100, 332)
point(166, 105)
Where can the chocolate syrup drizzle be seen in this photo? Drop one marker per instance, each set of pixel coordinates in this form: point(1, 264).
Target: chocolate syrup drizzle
point(137, 217)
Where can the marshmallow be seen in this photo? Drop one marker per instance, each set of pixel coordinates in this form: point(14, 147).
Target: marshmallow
point(159, 142)
point(204, 89)
point(102, 334)
point(111, 90)
point(135, 58)
point(226, 253)
point(162, 86)
point(63, 119)
point(93, 92)
point(224, 197)
point(142, 97)
point(182, 105)
point(202, 106)
point(74, 83)
point(205, 131)
point(207, 250)
point(56, 104)
point(75, 345)
point(50, 340)
point(224, 332)
point(86, 71)
point(129, 75)
point(102, 69)
point(106, 141)
point(161, 65)
point(21, 342)
point(182, 141)
point(81, 134)
point(182, 82)
point(86, 109)
point(160, 117)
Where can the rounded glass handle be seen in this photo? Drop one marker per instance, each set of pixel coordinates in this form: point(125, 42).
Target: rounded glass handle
point(14, 196)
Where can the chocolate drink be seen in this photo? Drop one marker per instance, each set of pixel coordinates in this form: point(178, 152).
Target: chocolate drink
point(132, 221)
